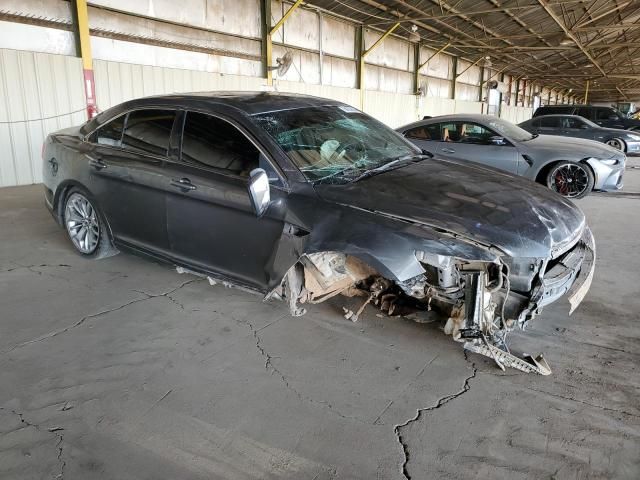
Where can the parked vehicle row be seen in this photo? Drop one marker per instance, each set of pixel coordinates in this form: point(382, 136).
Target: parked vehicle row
point(575, 126)
point(607, 117)
point(303, 198)
point(571, 167)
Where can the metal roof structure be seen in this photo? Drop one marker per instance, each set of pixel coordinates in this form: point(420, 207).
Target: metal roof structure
point(560, 43)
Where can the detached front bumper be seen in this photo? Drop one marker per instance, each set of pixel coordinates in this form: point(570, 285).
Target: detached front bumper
point(572, 274)
point(608, 177)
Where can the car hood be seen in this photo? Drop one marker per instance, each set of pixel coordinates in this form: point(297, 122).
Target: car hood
point(495, 209)
point(572, 148)
point(615, 131)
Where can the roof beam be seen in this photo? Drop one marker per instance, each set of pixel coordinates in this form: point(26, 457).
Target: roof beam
point(569, 34)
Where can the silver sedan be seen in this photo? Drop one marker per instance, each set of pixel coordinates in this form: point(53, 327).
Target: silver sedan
point(572, 167)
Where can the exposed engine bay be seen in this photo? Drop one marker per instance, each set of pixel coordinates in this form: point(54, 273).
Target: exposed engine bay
point(479, 302)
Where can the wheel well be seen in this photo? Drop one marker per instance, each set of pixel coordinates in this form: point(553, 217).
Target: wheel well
point(542, 174)
point(61, 194)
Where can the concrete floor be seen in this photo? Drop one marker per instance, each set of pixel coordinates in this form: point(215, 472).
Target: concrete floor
point(123, 369)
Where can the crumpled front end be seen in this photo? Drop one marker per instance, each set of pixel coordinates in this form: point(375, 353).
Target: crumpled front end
point(479, 301)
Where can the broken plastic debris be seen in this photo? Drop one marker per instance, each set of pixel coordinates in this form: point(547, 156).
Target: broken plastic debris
point(505, 359)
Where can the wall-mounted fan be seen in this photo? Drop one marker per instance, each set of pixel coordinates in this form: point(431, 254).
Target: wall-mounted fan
point(282, 64)
point(422, 89)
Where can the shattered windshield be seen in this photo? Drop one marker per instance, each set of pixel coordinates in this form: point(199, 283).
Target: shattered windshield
point(334, 144)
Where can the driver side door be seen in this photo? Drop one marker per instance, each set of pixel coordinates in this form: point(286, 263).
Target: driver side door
point(212, 225)
point(469, 141)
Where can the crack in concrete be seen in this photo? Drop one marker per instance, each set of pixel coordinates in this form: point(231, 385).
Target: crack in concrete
point(55, 333)
point(440, 403)
point(32, 268)
point(53, 430)
point(272, 369)
point(575, 400)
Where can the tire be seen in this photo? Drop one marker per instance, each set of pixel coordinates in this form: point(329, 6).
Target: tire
point(570, 179)
point(617, 143)
point(85, 225)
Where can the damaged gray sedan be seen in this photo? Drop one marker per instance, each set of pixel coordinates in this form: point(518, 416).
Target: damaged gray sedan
point(304, 198)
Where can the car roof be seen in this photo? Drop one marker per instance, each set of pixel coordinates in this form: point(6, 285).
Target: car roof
point(559, 115)
point(456, 117)
point(248, 102)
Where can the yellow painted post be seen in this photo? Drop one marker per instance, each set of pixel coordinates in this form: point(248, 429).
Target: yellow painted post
point(586, 93)
point(270, 32)
point(364, 53)
point(87, 59)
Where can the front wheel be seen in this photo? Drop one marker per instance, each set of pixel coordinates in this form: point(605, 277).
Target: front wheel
point(85, 227)
point(571, 180)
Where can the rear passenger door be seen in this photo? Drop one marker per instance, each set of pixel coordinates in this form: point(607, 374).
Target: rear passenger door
point(550, 125)
point(212, 225)
point(127, 175)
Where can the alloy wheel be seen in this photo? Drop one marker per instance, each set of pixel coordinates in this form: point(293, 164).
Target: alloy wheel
point(81, 220)
point(569, 180)
point(616, 143)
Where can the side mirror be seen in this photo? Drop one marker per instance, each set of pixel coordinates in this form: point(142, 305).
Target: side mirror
point(584, 126)
point(497, 140)
point(259, 191)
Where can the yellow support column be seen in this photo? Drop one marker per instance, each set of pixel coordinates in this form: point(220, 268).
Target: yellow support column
point(364, 53)
point(269, 36)
point(87, 59)
point(586, 93)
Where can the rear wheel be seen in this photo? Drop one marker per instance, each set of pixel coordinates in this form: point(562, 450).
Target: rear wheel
point(571, 180)
point(85, 226)
point(617, 143)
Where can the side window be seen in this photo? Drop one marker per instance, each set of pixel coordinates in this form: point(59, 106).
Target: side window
point(424, 132)
point(148, 131)
point(418, 133)
point(572, 122)
point(550, 122)
point(585, 112)
point(109, 133)
point(216, 144)
point(474, 133)
point(449, 132)
point(602, 114)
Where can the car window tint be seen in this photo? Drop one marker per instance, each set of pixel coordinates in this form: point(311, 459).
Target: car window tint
point(424, 132)
point(449, 132)
point(605, 113)
point(475, 133)
point(216, 144)
point(550, 122)
point(110, 133)
point(585, 112)
point(148, 131)
point(572, 122)
point(418, 133)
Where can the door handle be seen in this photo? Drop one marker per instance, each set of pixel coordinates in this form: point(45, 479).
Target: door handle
point(182, 183)
point(96, 163)
point(448, 150)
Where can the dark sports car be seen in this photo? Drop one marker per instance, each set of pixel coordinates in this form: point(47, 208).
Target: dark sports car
point(579, 127)
point(305, 198)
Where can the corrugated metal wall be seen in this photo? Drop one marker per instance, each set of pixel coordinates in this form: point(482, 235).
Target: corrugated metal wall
point(39, 93)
